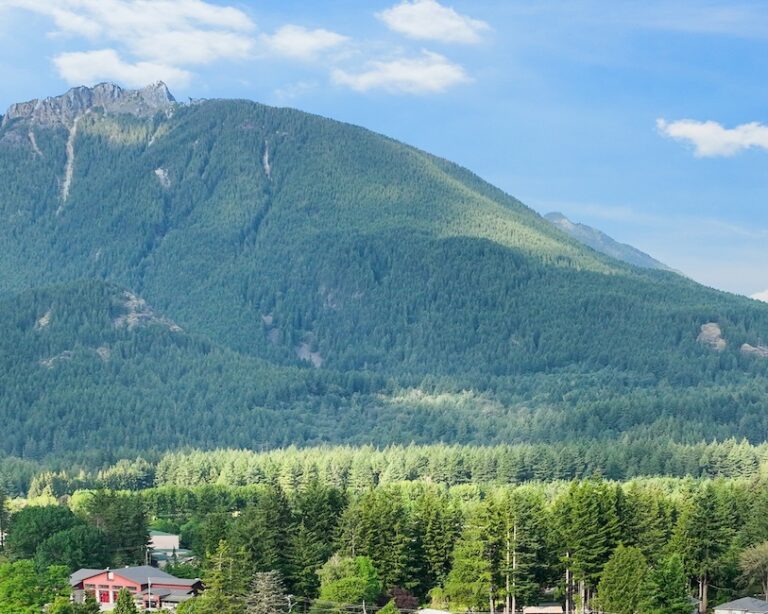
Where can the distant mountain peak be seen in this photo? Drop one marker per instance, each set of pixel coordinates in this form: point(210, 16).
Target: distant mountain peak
point(601, 242)
point(67, 107)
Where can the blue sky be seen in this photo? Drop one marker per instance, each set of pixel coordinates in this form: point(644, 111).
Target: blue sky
point(644, 119)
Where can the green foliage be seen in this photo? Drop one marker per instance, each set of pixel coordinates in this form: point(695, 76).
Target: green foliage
point(347, 580)
point(703, 536)
point(32, 526)
point(622, 586)
point(667, 589)
point(389, 608)
point(184, 570)
point(122, 519)
point(753, 562)
point(261, 533)
point(75, 548)
point(522, 524)
point(472, 581)
point(381, 527)
point(89, 605)
point(24, 589)
point(588, 529)
point(63, 605)
point(125, 604)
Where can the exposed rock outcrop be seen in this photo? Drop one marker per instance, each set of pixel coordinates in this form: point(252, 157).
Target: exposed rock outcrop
point(138, 313)
point(761, 351)
point(65, 109)
point(712, 335)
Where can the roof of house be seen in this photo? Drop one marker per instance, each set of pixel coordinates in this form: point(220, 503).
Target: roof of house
point(745, 604)
point(82, 574)
point(162, 534)
point(143, 574)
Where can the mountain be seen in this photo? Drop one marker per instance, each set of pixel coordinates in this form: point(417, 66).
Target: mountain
point(601, 242)
point(105, 97)
point(311, 281)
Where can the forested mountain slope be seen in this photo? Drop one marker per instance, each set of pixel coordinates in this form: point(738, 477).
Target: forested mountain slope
point(321, 272)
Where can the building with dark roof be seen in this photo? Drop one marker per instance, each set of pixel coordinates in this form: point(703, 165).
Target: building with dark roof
point(151, 587)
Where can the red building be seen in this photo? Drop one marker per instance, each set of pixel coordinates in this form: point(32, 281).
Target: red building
point(151, 587)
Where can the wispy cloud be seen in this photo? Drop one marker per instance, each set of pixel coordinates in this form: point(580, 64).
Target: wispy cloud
point(714, 17)
point(428, 73)
point(761, 296)
point(711, 139)
point(294, 90)
point(429, 20)
point(105, 64)
point(301, 43)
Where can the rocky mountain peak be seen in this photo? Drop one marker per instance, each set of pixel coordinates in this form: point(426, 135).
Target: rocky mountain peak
point(66, 108)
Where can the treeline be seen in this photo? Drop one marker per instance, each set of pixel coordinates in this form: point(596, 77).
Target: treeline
point(359, 468)
point(646, 546)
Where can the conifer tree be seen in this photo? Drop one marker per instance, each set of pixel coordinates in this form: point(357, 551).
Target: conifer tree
point(261, 531)
point(667, 589)
point(622, 587)
point(522, 541)
point(439, 524)
point(267, 594)
point(587, 527)
point(306, 555)
point(472, 582)
point(225, 579)
point(702, 537)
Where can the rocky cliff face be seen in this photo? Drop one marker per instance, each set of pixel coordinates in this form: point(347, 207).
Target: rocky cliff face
point(65, 109)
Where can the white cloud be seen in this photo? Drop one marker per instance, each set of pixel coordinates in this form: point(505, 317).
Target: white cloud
point(88, 67)
point(193, 47)
point(429, 20)
point(131, 20)
point(300, 43)
point(428, 74)
point(711, 139)
point(160, 38)
point(761, 296)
